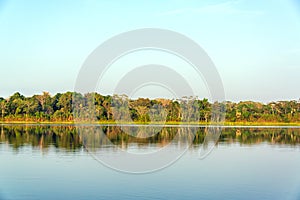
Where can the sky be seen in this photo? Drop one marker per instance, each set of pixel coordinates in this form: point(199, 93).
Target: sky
point(255, 45)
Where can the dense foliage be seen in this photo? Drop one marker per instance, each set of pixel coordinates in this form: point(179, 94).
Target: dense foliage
point(61, 107)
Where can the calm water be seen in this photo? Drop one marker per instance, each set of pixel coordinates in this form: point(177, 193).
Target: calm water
point(51, 162)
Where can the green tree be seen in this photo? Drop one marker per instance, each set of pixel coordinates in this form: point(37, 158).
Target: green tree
point(15, 104)
point(2, 107)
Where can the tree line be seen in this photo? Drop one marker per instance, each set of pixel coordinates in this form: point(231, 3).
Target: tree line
point(71, 106)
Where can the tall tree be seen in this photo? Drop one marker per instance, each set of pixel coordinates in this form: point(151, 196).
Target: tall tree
point(45, 102)
point(2, 107)
point(15, 104)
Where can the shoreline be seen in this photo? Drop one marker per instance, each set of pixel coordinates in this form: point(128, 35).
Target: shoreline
point(143, 123)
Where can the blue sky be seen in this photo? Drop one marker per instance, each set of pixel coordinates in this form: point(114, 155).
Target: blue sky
point(255, 45)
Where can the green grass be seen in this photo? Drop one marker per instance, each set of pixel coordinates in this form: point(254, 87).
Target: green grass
point(167, 123)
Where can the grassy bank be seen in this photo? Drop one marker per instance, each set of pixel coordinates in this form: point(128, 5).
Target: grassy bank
point(167, 123)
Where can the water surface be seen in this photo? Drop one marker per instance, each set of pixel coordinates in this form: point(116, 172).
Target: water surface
point(50, 162)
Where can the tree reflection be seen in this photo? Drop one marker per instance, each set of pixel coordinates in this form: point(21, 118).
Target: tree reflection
point(69, 137)
point(40, 136)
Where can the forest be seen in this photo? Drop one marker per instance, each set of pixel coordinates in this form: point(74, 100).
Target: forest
point(70, 106)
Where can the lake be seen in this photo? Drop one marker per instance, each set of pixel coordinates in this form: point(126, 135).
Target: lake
point(70, 162)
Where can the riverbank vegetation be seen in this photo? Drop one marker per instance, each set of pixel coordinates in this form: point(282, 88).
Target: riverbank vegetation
point(70, 106)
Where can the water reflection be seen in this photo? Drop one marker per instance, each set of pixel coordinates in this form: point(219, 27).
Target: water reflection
point(67, 137)
point(118, 136)
point(41, 136)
